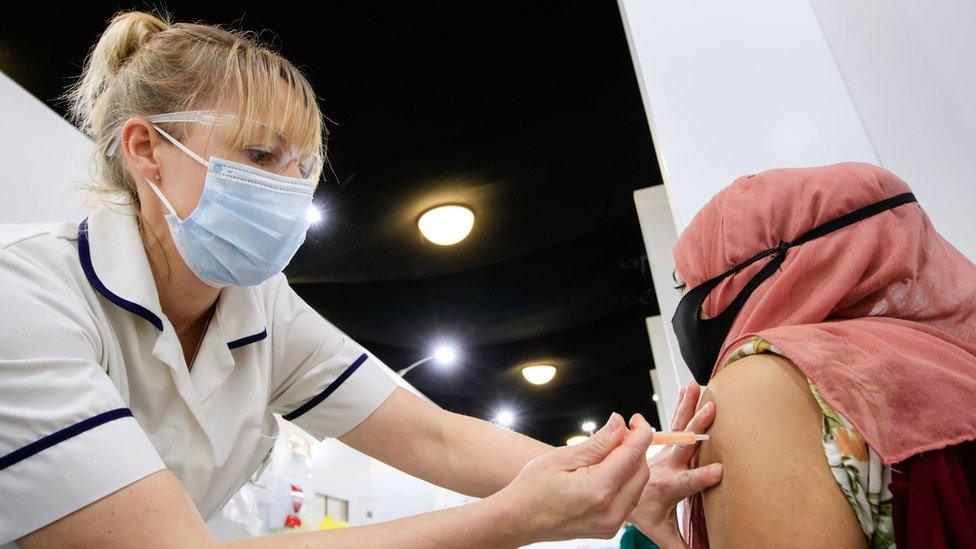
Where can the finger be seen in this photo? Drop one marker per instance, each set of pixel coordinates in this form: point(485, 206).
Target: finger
point(628, 495)
point(596, 448)
point(625, 460)
point(687, 483)
point(699, 424)
point(686, 407)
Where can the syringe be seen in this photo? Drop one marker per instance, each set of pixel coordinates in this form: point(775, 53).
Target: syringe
point(677, 437)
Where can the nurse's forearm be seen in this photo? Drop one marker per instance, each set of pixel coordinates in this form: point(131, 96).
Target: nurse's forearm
point(483, 458)
point(491, 522)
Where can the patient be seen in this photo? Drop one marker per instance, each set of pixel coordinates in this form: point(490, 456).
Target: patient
point(847, 377)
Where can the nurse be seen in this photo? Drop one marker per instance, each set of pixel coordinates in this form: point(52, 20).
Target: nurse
point(144, 352)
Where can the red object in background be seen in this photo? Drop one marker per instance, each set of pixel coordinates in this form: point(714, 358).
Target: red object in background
point(296, 497)
point(292, 521)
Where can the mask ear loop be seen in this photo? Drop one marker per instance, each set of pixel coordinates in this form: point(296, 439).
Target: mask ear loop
point(162, 198)
point(767, 271)
point(185, 149)
point(699, 294)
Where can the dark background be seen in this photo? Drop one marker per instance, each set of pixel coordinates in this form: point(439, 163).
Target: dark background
point(529, 113)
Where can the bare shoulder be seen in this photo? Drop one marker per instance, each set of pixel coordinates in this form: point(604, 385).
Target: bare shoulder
point(766, 376)
point(761, 400)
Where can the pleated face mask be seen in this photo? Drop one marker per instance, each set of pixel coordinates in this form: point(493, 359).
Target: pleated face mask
point(247, 226)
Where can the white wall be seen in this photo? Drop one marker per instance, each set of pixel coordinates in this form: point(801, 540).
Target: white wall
point(733, 87)
point(910, 67)
point(43, 158)
point(658, 227)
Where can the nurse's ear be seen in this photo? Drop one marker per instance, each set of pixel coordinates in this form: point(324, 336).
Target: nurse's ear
point(141, 146)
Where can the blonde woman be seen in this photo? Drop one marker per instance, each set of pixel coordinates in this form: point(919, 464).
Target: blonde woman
point(144, 352)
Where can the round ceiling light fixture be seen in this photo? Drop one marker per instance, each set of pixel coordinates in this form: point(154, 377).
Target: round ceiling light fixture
point(539, 374)
point(446, 225)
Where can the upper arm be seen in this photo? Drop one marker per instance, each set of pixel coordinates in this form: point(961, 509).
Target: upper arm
point(322, 380)
point(67, 438)
point(778, 489)
point(154, 511)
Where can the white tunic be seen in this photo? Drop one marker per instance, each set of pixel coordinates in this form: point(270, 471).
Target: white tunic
point(95, 393)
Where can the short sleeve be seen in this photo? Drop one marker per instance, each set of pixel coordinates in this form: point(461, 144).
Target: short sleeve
point(67, 438)
point(323, 380)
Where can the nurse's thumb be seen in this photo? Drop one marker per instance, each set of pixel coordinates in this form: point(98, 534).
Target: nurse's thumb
point(594, 449)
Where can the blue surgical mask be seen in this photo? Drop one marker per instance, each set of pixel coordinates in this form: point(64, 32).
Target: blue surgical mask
point(247, 226)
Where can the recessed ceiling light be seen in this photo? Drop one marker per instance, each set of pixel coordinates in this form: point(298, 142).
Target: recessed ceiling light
point(446, 225)
point(576, 439)
point(539, 374)
point(589, 426)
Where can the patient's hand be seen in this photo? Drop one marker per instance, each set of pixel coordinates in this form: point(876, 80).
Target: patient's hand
point(671, 478)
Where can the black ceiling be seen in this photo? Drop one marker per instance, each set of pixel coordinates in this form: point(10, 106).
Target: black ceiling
point(529, 112)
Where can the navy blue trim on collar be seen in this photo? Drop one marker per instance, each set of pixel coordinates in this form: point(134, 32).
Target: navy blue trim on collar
point(328, 390)
point(84, 254)
point(247, 340)
point(46, 442)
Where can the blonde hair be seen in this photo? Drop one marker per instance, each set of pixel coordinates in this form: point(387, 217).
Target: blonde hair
point(144, 65)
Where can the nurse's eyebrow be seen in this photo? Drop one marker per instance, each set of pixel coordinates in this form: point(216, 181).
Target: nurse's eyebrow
point(679, 285)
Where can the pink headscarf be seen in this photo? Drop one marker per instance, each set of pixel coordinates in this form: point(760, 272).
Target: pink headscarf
point(879, 315)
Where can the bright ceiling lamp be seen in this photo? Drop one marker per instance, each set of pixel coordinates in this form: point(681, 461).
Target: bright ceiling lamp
point(539, 374)
point(446, 225)
point(445, 354)
point(505, 418)
point(576, 439)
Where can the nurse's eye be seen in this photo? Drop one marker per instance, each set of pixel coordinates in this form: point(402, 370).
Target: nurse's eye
point(264, 157)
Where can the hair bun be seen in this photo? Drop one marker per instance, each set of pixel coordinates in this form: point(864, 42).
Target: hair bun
point(126, 34)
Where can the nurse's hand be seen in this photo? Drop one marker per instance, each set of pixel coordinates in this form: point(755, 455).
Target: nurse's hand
point(672, 479)
point(582, 491)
